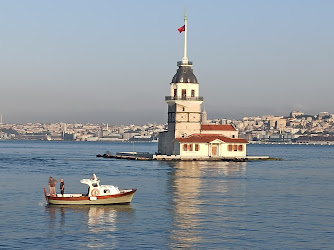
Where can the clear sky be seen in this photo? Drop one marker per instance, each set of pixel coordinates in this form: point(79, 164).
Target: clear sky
point(113, 61)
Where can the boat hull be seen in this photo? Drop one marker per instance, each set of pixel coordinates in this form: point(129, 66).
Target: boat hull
point(124, 197)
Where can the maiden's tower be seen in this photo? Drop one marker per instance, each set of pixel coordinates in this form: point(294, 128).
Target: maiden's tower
point(186, 136)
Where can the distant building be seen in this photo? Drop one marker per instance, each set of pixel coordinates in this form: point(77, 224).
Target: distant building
point(280, 124)
point(273, 120)
point(323, 114)
point(141, 138)
point(129, 135)
point(294, 114)
point(204, 116)
point(69, 137)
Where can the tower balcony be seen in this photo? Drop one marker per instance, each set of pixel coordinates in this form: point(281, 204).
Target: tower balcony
point(180, 63)
point(183, 98)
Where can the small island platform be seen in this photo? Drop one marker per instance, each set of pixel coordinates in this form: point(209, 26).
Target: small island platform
point(143, 156)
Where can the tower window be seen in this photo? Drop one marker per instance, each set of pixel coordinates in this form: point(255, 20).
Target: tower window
point(175, 92)
point(192, 93)
point(184, 93)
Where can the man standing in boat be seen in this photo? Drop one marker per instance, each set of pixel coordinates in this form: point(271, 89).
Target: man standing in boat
point(62, 187)
point(52, 186)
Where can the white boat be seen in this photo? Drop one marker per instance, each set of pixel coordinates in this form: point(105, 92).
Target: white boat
point(97, 195)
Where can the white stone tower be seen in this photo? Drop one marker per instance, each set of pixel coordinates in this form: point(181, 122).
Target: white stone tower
point(184, 104)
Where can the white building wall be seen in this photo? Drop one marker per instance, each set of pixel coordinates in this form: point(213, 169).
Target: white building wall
point(187, 86)
point(227, 153)
point(187, 118)
point(205, 150)
point(228, 134)
point(188, 106)
point(183, 129)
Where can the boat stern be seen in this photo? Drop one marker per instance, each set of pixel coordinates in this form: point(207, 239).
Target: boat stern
point(46, 196)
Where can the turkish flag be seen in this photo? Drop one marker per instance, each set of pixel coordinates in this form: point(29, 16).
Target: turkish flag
point(183, 28)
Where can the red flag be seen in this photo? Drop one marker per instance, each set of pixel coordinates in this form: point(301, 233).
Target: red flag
point(183, 28)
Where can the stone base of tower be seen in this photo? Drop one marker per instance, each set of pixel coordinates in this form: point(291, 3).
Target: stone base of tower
point(167, 144)
point(150, 157)
point(206, 158)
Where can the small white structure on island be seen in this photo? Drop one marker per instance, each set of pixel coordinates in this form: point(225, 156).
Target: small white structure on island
point(187, 136)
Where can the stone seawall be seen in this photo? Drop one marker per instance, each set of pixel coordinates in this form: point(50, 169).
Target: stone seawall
point(151, 157)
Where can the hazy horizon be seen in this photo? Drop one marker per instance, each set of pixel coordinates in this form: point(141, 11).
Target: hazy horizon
point(112, 61)
point(143, 121)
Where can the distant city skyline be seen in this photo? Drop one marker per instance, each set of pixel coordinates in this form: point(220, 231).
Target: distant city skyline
point(112, 62)
point(145, 122)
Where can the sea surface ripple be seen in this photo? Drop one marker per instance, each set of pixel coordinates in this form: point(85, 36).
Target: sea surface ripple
point(195, 205)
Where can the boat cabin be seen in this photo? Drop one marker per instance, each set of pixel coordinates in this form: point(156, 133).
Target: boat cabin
point(95, 189)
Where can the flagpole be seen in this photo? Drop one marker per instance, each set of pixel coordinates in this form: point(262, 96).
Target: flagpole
point(185, 58)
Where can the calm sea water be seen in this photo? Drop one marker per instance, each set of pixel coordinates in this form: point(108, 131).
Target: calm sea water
point(196, 205)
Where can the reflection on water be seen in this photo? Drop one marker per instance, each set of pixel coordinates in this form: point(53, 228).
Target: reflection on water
point(186, 184)
point(98, 218)
point(195, 186)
